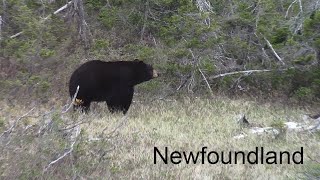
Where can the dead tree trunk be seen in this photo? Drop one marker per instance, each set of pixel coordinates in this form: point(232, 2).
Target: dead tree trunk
point(82, 24)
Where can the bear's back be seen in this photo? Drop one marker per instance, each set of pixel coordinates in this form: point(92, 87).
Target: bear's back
point(98, 74)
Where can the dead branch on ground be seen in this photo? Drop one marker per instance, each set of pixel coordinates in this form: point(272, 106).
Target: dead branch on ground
point(66, 153)
point(8, 131)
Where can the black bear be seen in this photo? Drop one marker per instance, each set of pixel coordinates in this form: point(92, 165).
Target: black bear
point(112, 82)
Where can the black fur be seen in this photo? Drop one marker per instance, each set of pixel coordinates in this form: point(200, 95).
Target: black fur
point(112, 82)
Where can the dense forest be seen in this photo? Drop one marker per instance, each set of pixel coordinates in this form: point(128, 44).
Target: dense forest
point(260, 49)
point(233, 75)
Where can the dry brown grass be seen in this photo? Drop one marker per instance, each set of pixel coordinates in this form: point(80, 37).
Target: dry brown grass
point(111, 146)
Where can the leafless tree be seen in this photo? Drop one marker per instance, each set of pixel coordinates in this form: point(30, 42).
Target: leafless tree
point(83, 29)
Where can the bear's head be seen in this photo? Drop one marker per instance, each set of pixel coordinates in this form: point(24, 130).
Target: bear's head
point(145, 71)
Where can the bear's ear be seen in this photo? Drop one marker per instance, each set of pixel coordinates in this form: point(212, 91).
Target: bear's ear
point(138, 61)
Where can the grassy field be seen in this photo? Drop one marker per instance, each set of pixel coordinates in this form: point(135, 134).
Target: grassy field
point(49, 144)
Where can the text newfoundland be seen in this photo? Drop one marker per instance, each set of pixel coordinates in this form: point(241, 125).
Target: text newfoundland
point(204, 156)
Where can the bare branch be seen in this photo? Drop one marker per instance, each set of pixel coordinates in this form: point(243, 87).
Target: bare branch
point(73, 99)
point(274, 52)
point(300, 6)
point(204, 6)
point(43, 128)
point(144, 20)
point(241, 72)
point(56, 12)
point(15, 35)
point(66, 153)
point(0, 28)
point(83, 28)
point(191, 82)
point(73, 126)
point(183, 83)
point(16, 122)
point(205, 79)
point(203, 76)
point(289, 8)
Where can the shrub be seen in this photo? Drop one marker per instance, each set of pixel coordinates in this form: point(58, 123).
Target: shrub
point(304, 93)
point(108, 17)
point(45, 53)
point(280, 35)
